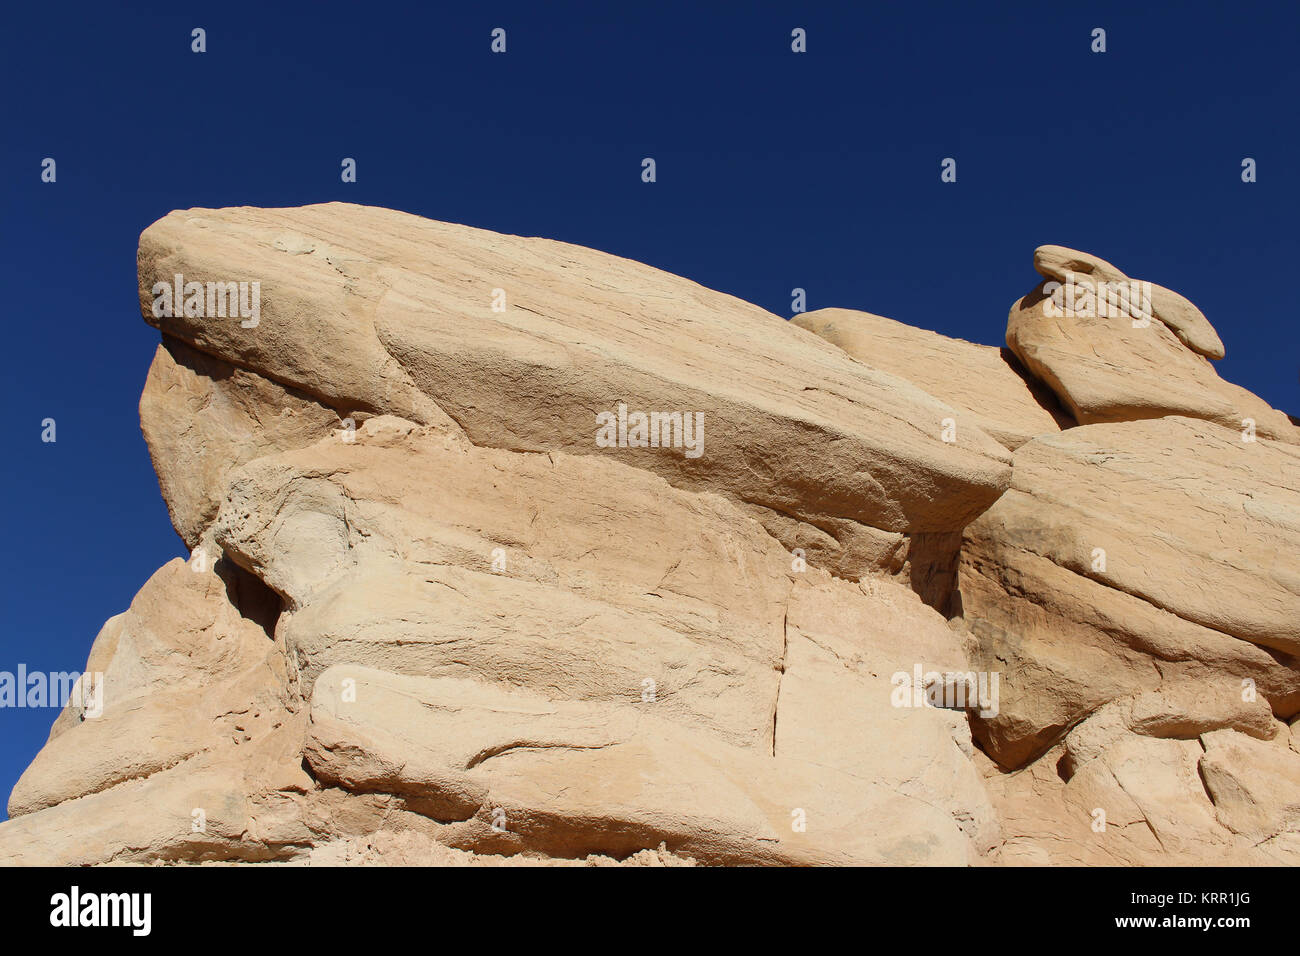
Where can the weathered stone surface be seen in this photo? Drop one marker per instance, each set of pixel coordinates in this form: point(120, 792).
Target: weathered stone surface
point(182, 674)
point(414, 848)
point(1255, 785)
point(838, 707)
point(985, 385)
point(661, 627)
point(1143, 800)
point(706, 629)
point(1185, 320)
point(1060, 262)
point(190, 750)
point(446, 626)
point(1136, 359)
point(247, 816)
point(1174, 710)
point(605, 576)
point(1139, 804)
point(521, 772)
point(373, 310)
point(1128, 554)
point(202, 418)
point(1105, 370)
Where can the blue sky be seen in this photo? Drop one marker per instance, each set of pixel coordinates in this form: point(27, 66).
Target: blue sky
point(775, 170)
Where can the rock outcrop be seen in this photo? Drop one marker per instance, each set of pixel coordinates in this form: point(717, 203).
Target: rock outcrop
point(1115, 349)
point(1133, 553)
point(506, 550)
point(393, 314)
point(986, 385)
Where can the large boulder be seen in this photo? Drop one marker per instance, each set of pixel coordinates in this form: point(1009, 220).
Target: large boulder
point(604, 592)
point(1182, 318)
point(1115, 349)
point(525, 342)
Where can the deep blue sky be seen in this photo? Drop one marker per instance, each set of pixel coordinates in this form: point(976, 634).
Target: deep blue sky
point(775, 170)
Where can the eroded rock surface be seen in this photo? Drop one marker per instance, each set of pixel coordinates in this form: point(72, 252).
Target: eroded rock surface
point(431, 618)
point(1128, 554)
point(1131, 351)
point(381, 312)
point(986, 385)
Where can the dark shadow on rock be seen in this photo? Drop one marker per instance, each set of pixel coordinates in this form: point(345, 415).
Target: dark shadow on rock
point(1043, 395)
point(932, 559)
point(254, 600)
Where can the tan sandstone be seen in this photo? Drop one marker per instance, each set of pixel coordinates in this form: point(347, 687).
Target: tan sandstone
point(986, 384)
point(428, 620)
point(1128, 554)
point(1133, 361)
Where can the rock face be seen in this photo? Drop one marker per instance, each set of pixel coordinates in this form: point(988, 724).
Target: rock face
point(985, 384)
point(1128, 554)
point(871, 597)
point(394, 314)
point(202, 418)
point(1115, 349)
point(1182, 318)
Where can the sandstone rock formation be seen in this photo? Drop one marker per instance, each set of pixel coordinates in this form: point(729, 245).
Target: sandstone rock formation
point(1122, 551)
point(1133, 350)
point(985, 384)
point(394, 314)
point(882, 602)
